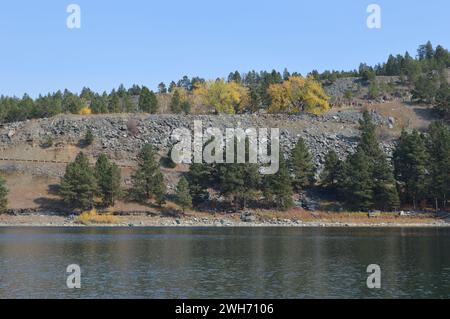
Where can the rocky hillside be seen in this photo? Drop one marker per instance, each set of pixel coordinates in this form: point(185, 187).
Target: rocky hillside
point(122, 135)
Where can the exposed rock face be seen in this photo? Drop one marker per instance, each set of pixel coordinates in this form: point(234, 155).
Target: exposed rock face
point(121, 136)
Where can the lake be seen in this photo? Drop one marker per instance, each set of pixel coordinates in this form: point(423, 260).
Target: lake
point(224, 262)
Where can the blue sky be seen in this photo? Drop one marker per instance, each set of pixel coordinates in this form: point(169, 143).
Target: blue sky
point(145, 42)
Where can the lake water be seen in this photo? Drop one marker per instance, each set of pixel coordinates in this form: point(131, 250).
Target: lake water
point(224, 262)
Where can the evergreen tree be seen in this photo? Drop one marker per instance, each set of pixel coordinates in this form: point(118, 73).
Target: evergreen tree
point(148, 181)
point(159, 189)
point(302, 166)
point(240, 181)
point(332, 169)
point(385, 193)
point(368, 141)
point(183, 196)
point(128, 105)
point(78, 186)
point(369, 181)
point(438, 145)
point(277, 187)
point(443, 102)
point(147, 101)
point(88, 137)
point(114, 103)
point(199, 178)
point(162, 88)
point(410, 161)
point(357, 182)
point(108, 177)
point(175, 102)
point(3, 194)
point(172, 86)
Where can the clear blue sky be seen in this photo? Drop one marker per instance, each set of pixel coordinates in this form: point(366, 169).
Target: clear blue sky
point(145, 42)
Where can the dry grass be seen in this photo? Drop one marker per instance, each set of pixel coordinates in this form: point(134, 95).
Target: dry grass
point(92, 217)
point(343, 217)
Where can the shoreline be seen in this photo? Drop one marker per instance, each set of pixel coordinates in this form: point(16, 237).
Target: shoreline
point(39, 220)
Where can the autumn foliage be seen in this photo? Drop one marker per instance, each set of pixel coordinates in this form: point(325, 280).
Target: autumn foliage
point(223, 97)
point(298, 94)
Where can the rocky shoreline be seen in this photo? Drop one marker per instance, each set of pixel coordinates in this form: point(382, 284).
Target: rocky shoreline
point(40, 220)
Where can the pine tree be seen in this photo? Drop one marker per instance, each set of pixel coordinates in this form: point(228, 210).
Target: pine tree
point(3, 194)
point(239, 181)
point(199, 178)
point(108, 177)
point(410, 161)
point(302, 166)
point(78, 186)
point(357, 181)
point(438, 145)
point(385, 193)
point(183, 197)
point(148, 181)
point(368, 141)
point(329, 176)
point(159, 189)
point(128, 105)
point(175, 102)
point(147, 101)
point(277, 187)
point(88, 138)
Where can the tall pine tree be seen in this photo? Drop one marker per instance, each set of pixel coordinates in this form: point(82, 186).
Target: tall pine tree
point(148, 181)
point(302, 166)
point(438, 145)
point(3, 194)
point(332, 169)
point(410, 162)
point(183, 197)
point(78, 186)
point(108, 177)
point(277, 187)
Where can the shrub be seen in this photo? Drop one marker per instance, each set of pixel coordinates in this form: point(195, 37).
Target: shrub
point(92, 217)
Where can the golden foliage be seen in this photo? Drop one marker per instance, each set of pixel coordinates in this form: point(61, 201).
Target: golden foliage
point(224, 97)
point(85, 110)
point(298, 94)
point(92, 217)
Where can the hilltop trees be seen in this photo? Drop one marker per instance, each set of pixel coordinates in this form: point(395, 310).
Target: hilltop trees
point(109, 178)
point(78, 186)
point(298, 94)
point(224, 97)
point(148, 181)
point(3, 194)
point(147, 101)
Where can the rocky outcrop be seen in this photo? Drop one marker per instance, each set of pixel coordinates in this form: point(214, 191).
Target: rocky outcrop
point(122, 135)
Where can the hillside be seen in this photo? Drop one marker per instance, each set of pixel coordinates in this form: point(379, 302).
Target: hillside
point(33, 169)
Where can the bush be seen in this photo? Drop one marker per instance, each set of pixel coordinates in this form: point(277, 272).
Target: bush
point(48, 142)
point(92, 217)
point(88, 138)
